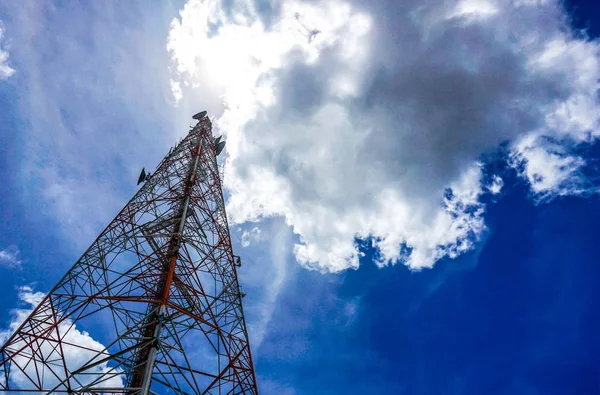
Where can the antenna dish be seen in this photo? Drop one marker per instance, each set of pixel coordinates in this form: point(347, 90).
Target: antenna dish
point(217, 140)
point(220, 147)
point(200, 115)
point(142, 176)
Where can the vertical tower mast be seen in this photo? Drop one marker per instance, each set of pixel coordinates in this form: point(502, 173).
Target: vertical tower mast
point(159, 286)
point(143, 376)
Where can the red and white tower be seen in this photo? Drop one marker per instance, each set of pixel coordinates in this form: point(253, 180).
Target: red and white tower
point(159, 286)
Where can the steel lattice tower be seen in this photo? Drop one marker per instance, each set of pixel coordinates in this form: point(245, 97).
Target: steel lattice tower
point(160, 287)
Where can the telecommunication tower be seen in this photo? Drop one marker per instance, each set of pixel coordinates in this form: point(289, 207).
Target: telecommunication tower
point(159, 287)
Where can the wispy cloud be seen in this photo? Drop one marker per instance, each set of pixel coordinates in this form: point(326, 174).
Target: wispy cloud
point(10, 256)
point(250, 236)
point(102, 110)
point(550, 168)
point(5, 70)
point(264, 271)
point(78, 348)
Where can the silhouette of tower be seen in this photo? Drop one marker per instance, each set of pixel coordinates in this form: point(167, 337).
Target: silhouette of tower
point(158, 287)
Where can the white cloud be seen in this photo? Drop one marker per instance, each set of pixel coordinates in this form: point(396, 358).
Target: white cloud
point(177, 92)
point(78, 348)
point(250, 236)
point(10, 256)
point(549, 168)
point(496, 185)
point(5, 70)
point(351, 123)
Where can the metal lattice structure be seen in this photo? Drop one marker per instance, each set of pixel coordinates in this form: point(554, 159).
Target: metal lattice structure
point(159, 286)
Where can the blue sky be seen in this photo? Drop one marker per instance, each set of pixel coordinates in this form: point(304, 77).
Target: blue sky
point(454, 254)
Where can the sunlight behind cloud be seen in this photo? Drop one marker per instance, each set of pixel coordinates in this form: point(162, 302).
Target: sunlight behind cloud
point(229, 58)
